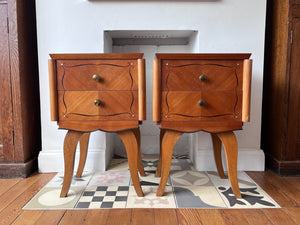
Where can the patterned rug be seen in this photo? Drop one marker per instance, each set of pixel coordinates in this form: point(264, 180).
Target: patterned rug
point(186, 188)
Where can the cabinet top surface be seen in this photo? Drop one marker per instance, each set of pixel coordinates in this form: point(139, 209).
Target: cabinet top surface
point(203, 56)
point(97, 56)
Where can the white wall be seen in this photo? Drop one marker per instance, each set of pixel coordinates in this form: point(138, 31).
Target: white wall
point(77, 26)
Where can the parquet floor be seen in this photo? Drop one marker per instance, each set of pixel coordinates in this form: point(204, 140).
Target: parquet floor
point(15, 193)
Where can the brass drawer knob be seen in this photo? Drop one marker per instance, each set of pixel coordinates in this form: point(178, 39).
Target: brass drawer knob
point(201, 103)
point(97, 102)
point(202, 77)
point(96, 77)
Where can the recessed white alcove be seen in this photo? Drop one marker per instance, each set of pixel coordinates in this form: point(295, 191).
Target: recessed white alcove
point(150, 42)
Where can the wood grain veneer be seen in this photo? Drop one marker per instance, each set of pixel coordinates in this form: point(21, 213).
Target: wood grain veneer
point(219, 106)
point(6, 144)
point(156, 90)
point(20, 89)
point(142, 89)
point(246, 90)
point(183, 75)
point(91, 56)
point(79, 105)
point(77, 75)
point(296, 2)
point(280, 114)
point(98, 92)
point(208, 92)
point(93, 125)
point(52, 88)
point(197, 56)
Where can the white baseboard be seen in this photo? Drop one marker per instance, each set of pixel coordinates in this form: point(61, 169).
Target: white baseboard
point(53, 161)
point(203, 159)
point(248, 160)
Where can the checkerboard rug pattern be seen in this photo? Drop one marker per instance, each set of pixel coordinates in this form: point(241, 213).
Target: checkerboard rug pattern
point(103, 197)
point(186, 188)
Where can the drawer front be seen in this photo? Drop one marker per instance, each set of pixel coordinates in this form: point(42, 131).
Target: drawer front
point(217, 106)
point(77, 75)
point(115, 105)
point(195, 75)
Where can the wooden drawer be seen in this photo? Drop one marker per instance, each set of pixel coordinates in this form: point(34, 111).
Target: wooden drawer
point(184, 106)
point(115, 105)
point(77, 75)
point(185, 75)
point(121, 90)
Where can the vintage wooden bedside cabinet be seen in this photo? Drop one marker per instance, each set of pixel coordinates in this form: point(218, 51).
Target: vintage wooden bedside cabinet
point(201, 92)
point(104, 92)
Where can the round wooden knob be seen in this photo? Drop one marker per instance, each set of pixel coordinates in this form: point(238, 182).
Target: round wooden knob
point(201, 103)
point(97, 102)
point(202, 77)
point(96, 77)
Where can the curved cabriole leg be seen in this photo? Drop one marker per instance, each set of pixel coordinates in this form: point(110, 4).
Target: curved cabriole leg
point(83, 142)
point(70, 144)
point(137, 134)
point(158, 170)
point(170, 138)
point(217, 145)
point(131, 146)
point(231, 150)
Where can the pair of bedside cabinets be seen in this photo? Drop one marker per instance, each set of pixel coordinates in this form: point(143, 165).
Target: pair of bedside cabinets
point(191, 92)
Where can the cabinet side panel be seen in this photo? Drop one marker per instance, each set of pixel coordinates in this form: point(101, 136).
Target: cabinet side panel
point(296, 1)
point(142, 89)
point(24, 79)
point(246, 90)
point(275, 79)
point(53, 90)
point(6, 144)
point(293, 140)
point(156, 90)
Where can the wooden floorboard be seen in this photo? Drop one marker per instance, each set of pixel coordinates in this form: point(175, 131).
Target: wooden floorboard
point(142, 216)
point(188, 216)
point(290, 190)
point(119, 217)
point(73, 217)
point(294, 213)
point(28, 217)
point(278, 217)
point(165, 216)
point(6, 184)
point(211, 216)
point(282, 198)
point(49, 217)
point(12, 193)
point(13, 205)
point(255, 216)
point(15, 193)
point(96, 216)
point(233, 216)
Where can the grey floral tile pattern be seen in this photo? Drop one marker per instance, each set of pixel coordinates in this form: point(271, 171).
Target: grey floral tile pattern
point(150, 179)
point(186, 188)
point(189, 178)
point(198, 197)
